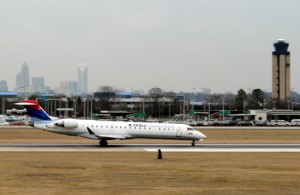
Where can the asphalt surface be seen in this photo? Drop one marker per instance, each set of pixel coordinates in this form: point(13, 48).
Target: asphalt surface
point(150, 148)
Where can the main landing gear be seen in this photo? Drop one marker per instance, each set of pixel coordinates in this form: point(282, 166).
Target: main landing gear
point(103, 143)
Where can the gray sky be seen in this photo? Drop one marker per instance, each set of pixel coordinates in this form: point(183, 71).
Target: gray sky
point(176, 45)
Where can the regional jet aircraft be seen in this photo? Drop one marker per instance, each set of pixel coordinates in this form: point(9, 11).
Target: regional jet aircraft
point(108, 130)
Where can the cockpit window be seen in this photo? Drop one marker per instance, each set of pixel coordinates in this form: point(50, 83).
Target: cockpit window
point(191, 129)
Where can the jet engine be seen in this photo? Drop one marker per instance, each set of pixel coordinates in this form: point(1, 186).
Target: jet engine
point(67, 123)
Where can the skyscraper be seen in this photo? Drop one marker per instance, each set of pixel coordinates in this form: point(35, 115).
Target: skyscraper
point(82, 70)
point(3, 86)
point(69, 88)
point(22, 78)
point(281, 71)
point(38, 84)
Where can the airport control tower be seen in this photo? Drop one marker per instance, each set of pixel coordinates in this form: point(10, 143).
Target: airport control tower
point(281, 71)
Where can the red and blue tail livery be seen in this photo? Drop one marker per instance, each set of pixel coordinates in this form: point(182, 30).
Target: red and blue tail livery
point(35, 111)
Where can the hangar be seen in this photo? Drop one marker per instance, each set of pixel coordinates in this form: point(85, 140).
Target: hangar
point(275, 114)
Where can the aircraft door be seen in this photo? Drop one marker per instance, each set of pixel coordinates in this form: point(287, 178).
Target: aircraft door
point(178, 132)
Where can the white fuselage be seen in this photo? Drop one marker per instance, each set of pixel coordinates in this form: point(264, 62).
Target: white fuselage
point(124, 130)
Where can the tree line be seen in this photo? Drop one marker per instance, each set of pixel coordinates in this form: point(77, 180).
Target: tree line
point(241, 101)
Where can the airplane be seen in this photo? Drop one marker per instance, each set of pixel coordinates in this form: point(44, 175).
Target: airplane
point(108, 130)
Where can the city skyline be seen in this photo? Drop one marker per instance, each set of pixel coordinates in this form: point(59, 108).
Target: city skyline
point(72, 88)
point(178, 45)
point(67, 87)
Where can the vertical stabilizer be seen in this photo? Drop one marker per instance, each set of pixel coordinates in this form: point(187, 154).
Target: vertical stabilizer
point(35, 111)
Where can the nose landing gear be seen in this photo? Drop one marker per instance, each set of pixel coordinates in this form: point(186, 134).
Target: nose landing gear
point(193, 143)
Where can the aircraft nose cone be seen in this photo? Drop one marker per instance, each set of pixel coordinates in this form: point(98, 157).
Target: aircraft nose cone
point(201, 135)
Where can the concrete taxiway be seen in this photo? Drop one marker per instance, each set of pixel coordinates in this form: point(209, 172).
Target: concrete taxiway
point(150, 148)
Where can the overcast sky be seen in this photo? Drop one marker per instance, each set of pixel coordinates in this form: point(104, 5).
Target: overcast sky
point(177, 45)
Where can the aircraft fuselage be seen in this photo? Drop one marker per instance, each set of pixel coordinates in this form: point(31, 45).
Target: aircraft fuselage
point(124, 130)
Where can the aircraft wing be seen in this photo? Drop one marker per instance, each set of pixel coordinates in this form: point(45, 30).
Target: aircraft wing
point(111, 136)
point(107, 136)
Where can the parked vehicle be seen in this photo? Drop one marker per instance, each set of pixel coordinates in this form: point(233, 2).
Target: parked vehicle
point(295, 122)
point(152, 121)
point(260, 123)
point(233, 123)
point(280, 123)
point(192, 122)
point(245, 123)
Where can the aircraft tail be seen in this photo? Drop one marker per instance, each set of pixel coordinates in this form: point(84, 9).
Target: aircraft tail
point(35, 111)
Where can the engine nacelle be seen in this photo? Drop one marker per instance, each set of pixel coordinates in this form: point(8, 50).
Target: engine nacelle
point(67, 123)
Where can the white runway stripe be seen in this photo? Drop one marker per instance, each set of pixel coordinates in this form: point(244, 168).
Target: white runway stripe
point(150, 148)
point(225, 150)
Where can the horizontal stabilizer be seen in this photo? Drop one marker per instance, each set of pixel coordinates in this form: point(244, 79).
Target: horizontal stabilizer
point(26, 104)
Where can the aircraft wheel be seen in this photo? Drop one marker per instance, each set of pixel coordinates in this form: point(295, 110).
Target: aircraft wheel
point(193, 143)
point(103, 143)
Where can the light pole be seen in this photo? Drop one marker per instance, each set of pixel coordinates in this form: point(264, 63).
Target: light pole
point(66, 106)
point(183, 109)
point(87, 108)
point(91, 109)
point(274, 102)
point(223, 109)
point(3, 105)
point(55, 107)
point(208, 110)
point(74, 106)
point(84, 107)
point(204, 102)
point(158, 109)
point(60, 107)
point(194, 98)
point(180, 107)
point(143, 108)
point(169, 109)
point(288, 101)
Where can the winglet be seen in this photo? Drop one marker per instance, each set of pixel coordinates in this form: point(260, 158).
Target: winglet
point(90, 131)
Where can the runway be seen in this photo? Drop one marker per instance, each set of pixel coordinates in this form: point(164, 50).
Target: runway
point(150, 148)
